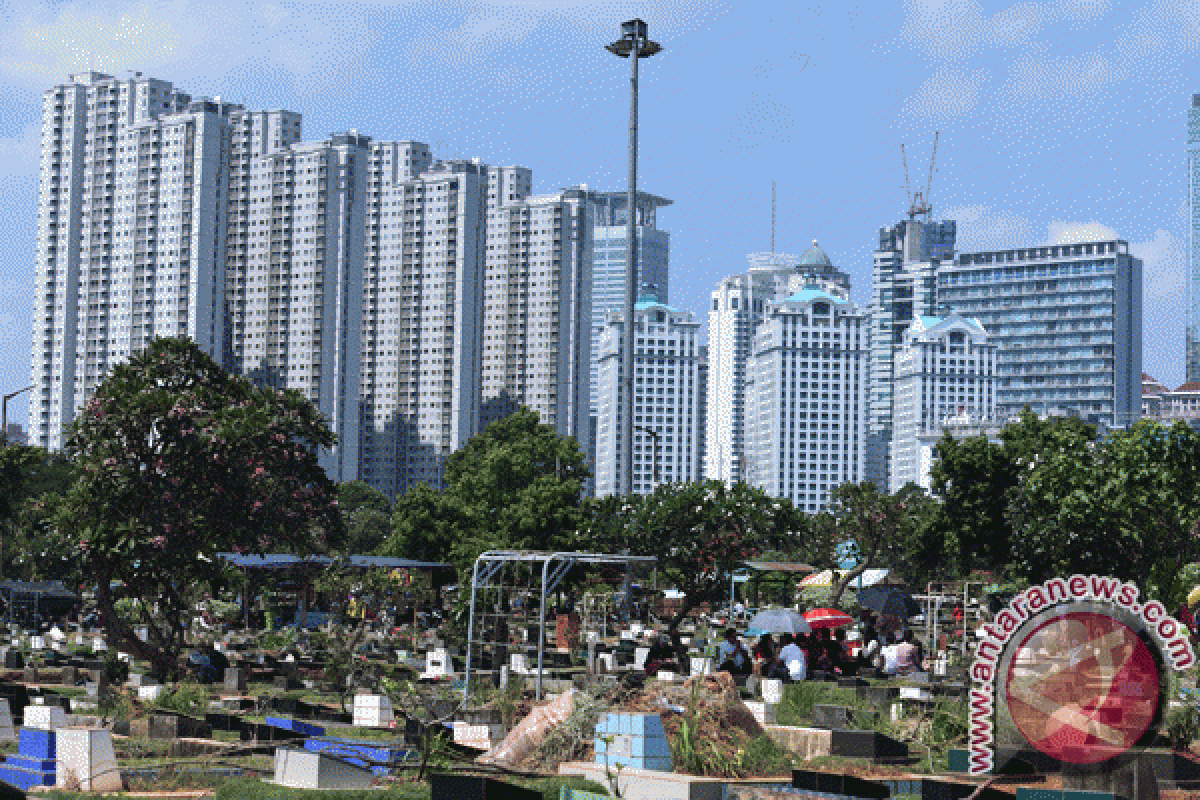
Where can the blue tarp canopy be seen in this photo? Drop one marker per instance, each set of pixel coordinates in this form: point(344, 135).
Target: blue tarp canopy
point(285, 561)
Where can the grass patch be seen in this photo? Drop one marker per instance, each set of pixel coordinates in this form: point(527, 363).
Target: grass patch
point(799, 699)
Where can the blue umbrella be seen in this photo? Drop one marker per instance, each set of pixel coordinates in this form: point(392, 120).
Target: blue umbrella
point(888, 600)
point(779, 620)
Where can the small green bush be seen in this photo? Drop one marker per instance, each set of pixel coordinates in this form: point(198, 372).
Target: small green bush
point(186, 698)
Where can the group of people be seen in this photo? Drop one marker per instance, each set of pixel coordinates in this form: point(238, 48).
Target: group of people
point(791, 658)
point(795, 656)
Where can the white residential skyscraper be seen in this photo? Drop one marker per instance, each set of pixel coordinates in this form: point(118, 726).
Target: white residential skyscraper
point(537, 308)
point(133, 222)
point(422, 314)
point(945, 381)
point(806, 394)
point(668, 399)
point(296, 298)
point(738, 306)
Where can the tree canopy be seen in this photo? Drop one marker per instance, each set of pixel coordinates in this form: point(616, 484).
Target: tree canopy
point(699, 532)
point(178, 461)
point(517, 485)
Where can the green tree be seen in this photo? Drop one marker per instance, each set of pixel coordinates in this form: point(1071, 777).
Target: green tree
point(179, 461)
point(872, 525)
point(366, 514)
point(1125, 506)
point(976, 478)
point(699, 532)
point(517, 485)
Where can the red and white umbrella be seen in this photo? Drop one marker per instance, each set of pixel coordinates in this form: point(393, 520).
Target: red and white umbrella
point(828, 618)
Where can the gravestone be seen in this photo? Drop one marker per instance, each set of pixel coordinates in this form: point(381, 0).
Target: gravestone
point(7, 732)
point(373, 711)
point(477, 787)
point(633, 740)
point(46, 718)
point(831, 717)
point(35, 761)
point(235, 679)
point(304, 769)
point(867, 744)
point(832, 783)
point(70, 676)
point(86, 760)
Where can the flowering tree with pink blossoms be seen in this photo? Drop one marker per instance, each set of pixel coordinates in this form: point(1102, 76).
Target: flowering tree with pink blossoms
point(179, 461)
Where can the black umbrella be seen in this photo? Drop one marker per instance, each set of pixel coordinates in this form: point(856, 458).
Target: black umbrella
point(888, 600)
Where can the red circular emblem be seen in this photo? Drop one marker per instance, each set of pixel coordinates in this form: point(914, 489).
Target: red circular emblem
point(1083, 687)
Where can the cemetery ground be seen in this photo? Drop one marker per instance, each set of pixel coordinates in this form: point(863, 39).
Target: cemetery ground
point(187, 739)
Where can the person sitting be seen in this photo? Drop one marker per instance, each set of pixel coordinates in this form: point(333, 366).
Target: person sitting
point(822, 658)
point(764, 654)
point(844, 663)
point(732, 653)
point(792, 657)
point(869, 653)
point(908, 655)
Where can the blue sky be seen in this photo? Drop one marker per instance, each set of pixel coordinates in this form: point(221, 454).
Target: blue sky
point(1059, 119)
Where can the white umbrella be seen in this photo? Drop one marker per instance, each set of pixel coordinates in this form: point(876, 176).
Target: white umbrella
point(779, 620)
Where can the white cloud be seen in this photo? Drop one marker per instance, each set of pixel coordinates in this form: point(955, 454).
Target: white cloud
point(1084, 10)
point(1164, 268)
point(945, 30)
point(1060, 232)
point(981, 227)
point(948, 93)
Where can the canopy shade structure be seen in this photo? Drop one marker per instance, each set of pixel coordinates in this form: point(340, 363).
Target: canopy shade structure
point(286, 561)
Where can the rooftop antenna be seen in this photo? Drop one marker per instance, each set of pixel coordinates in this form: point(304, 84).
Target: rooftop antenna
point(772, 217)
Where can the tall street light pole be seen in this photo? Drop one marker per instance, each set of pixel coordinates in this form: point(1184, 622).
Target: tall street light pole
point(654, 437)
point(634, 44)
point(4, 412)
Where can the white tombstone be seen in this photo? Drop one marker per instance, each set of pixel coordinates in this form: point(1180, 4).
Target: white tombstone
point(99, 645)
point(373, 711)
point(702, 666)
point(609, 660)
point(639, 657)
point(37, 642)
point(519, 663)
point(438, 664)
point(56, 634)
point(480, 737)
point(7, 733)
point(142, 632)
point(302, 769)
point(665, 675)
point(128, 659)
point(148, 694)
point(86, 760)
point(46, 718)
point(772, 691)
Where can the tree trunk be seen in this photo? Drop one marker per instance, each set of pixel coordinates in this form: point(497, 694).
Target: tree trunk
point(839, 586)
point(164, 663)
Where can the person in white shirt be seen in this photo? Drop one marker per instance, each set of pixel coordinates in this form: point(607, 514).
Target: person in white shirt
point(793, 658)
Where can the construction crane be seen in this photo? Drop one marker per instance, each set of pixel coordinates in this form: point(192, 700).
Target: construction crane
point(918, 203)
